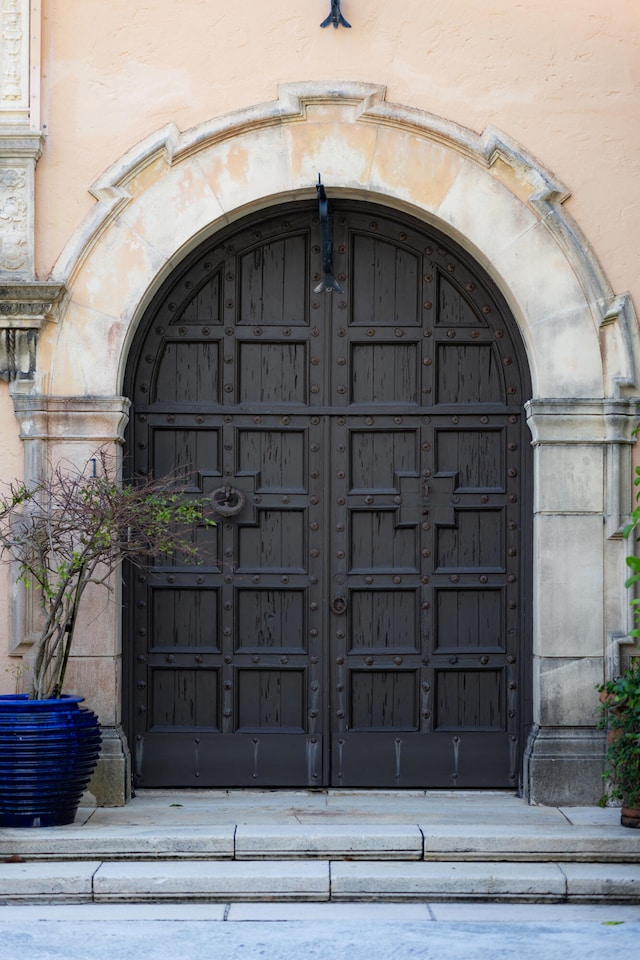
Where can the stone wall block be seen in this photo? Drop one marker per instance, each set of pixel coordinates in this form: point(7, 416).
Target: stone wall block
point(493, 222)
point(420, 170)
point(571, 478)
point(563, 767)
point(247, 169)
point(566, 690)
point(342, 153)
point(97, 679)
point(110, 785)
point(175, 209)
point(568, 581)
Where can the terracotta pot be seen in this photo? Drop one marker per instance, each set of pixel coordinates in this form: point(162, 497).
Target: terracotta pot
point(630, 817)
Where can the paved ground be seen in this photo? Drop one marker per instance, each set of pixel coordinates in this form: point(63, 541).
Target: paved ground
point(320, 932)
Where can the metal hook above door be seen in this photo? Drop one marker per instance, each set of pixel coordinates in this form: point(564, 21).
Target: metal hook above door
point(328, 284)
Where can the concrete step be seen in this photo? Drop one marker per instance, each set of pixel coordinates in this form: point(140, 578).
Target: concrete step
point(225, 881)
point(327, 841)
point(296, 846)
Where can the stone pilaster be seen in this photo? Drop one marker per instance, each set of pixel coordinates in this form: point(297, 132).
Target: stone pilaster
point(582, 470)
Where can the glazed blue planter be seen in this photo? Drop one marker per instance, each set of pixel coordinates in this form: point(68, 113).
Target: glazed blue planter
point(48, 751)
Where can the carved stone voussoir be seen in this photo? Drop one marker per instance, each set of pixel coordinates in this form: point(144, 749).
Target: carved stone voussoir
point(24, 308)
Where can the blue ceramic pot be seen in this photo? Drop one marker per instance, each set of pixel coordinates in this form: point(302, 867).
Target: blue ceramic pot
point(48, 751)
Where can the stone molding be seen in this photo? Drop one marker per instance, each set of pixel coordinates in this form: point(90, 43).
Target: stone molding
point(73, 428)
point(87, 420)
point(581, 421)
point(24, 309)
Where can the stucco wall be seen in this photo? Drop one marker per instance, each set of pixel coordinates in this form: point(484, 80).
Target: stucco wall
point(561, 79)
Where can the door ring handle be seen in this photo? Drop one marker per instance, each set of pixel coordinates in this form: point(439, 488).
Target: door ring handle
point(227, 501)
point(339, 605)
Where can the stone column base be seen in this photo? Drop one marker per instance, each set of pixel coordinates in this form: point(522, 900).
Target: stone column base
point(563, 766)
point(111, 781)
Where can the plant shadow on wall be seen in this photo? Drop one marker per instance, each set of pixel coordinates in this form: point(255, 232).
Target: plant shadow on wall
point(620, 707)
point(63, 534)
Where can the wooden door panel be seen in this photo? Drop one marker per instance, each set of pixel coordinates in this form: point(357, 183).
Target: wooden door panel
point(476, 457)
point(184, 618)
point(272, 373)
point(383, 620)
point(475, 541)
point(455, 308)
point(383, 699)
point(273, 282)
point(271, 619)
point(378, 544)
point(276, 543)
point(183, 698)
point(189, 453)
point(188, 373)
point(360, 622)
point(281, 456)
point(468, 373)
point(378, 458)
point(386, 283)
point(197, 303)
point(271, 700)
point(469, 700)
point(384, 373)
point(467, 619)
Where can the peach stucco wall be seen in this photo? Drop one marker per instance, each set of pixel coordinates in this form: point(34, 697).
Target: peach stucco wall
point(559, 78)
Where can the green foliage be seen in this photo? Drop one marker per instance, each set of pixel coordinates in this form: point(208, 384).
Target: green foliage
point(620, 698)
point(74, 528)
point(620, 714)
point(633, 562)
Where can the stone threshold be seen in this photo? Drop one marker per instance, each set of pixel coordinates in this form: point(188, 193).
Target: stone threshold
point(317, 881)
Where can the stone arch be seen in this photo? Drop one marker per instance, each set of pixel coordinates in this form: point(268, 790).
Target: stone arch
point(504, 208)
point(174, 189)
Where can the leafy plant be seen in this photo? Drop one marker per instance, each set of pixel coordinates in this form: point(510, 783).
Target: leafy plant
point(620, 714)
point(620, 698)
point(74, 528)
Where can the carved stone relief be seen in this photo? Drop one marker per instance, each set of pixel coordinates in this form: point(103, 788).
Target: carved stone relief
point(14, 228)
point(14, 42)
point(19, 152)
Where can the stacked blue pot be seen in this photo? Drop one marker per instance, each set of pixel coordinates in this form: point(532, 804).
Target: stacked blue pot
point(48, 751)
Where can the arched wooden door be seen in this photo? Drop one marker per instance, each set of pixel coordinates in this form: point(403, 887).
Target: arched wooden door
point(365, 622)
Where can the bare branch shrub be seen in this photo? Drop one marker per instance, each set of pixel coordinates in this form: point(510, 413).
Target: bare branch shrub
point(74, 528)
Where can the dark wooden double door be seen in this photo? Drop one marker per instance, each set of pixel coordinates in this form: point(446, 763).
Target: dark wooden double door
point(362, 621)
